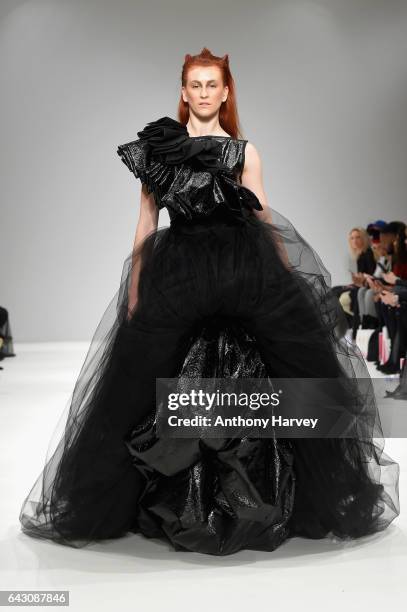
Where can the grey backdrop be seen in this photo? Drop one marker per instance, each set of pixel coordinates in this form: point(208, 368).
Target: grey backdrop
point(322, 94)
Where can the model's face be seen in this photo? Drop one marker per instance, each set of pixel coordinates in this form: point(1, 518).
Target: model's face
point(204, 90)
point(356, 241)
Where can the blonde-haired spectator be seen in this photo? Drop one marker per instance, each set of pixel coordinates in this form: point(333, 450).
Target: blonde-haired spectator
point(361, 252)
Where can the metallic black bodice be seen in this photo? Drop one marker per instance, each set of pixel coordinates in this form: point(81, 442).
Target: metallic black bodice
point(192, 176)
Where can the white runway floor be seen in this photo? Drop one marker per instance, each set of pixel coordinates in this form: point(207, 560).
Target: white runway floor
point(135, 573)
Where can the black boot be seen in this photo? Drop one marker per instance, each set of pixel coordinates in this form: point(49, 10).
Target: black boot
point(400, 392)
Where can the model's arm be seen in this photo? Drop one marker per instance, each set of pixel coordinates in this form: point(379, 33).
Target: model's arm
point(147, 223)
point(252, 178)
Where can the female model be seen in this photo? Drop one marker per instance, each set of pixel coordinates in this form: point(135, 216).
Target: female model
point(229, 290)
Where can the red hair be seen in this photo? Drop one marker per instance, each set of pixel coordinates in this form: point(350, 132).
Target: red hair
point(228, 115)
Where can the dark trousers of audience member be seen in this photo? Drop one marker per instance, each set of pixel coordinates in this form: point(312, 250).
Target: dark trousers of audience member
point(389, 316)
point(403, 329)
point(6, 344)
point(395, 321)
point(354, 306)
point(3, 316)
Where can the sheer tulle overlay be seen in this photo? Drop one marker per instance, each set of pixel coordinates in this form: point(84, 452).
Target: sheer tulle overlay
point(221, 294)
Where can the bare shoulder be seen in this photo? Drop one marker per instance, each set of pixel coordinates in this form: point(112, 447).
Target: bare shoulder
point(252, 157)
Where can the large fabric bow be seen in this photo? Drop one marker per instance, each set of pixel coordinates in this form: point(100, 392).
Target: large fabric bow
point(170, 143)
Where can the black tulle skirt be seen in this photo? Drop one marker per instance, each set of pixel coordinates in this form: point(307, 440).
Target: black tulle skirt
point(214, 299)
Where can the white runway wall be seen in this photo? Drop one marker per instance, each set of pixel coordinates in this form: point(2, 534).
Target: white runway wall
point(321, 88)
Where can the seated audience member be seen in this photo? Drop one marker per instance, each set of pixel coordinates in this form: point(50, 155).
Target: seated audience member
point(400, 290)
point(6, 340)
point(363, 256)
point(390, 302)
point(366, 304)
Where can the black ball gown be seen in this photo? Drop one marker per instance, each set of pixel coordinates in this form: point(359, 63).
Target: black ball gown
point(216, 297)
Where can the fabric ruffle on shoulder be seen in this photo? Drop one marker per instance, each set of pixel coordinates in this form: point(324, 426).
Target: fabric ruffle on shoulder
point(168, 161)
point(171, 144)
